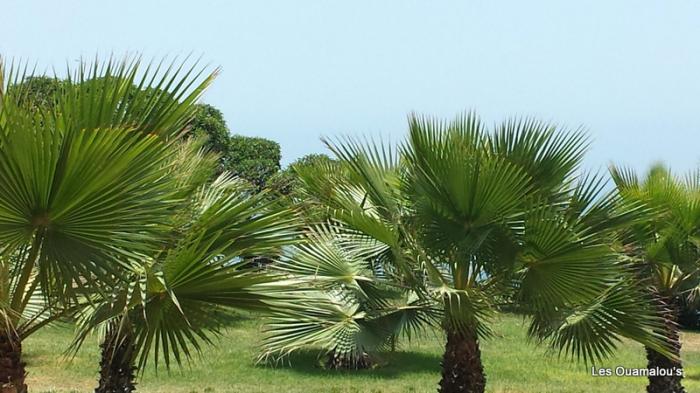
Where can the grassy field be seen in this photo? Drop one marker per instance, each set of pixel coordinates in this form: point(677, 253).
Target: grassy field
point(511, 366)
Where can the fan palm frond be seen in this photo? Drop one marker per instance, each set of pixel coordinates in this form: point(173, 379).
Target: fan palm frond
point(181, 295)
point(349, 310)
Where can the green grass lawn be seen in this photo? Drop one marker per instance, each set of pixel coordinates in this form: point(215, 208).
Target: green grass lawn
point(511, 366)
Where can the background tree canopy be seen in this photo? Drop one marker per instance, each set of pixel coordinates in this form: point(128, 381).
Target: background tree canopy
point(287, 182)
point(210, 121)
point(40, 91)
point(251, 158)
point(254, 159)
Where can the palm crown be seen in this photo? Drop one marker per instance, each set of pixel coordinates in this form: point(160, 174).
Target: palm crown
point(174, 297)
point(667, 241)
point(663, 251)
point(84, 186)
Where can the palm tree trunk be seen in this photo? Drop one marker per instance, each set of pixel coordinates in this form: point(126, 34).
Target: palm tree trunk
point(462, 370)
point(670, 381)
point(344, 361)
point(117, 370)
point(12, 371)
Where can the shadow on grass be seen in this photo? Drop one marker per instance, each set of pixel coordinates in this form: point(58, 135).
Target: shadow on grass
point(388, 365)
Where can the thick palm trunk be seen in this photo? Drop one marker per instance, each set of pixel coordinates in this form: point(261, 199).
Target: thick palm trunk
point(117, 370)
point(672, 371)
point(462, 371)
point(12, 371)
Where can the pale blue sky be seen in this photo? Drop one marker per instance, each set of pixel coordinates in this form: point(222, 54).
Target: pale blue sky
point(295, 70)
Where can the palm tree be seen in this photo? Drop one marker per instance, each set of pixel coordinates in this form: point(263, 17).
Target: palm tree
point(83, 188)
point(476, 219)
point(175, 297)
point(353, 310)
point(666, 254)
